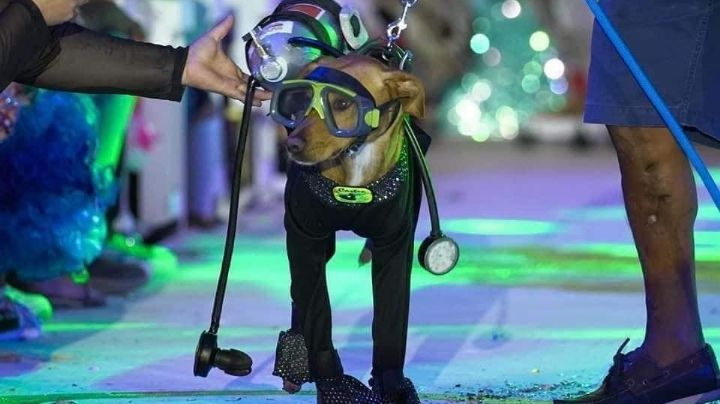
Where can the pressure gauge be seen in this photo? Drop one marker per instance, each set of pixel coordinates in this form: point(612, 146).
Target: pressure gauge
point(439, 255)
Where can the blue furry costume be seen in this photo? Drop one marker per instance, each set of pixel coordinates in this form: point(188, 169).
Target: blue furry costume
point(52, 201)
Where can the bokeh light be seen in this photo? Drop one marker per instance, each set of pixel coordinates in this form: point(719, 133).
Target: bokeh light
point(531, 84)
point(492, 57)
point(481, 91)
point(539, 41)
point(515, 74)
point(480, 44)
point(511, 9)
point(559, 86)
point(554, 68)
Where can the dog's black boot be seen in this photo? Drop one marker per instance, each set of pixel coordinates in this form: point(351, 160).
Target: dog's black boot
point(334, 386)
point(345, 390)
point(291, 361)
point(636, 379)
point(394, 388)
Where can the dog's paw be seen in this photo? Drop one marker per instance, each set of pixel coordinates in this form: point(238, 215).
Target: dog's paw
point(291, 361)
point(291, 387)
point(365, 257)
point(366, 254)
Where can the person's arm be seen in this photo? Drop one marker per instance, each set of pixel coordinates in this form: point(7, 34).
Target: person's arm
point(24, 36)
point(95, 63)
point(69, 57)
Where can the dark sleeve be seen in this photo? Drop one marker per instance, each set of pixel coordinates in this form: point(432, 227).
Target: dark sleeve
point(24, 38)
point(95, 63)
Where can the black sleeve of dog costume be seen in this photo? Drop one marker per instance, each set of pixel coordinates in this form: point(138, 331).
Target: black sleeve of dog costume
point(309, 247)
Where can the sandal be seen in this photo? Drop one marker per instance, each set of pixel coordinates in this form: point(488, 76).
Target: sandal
point(63, 292)
point(17, 322)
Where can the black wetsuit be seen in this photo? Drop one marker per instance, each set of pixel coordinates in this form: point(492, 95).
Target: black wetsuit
point(311, 220)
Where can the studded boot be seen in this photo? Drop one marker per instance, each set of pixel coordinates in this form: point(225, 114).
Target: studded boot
point(394, 388)
point(335, 387)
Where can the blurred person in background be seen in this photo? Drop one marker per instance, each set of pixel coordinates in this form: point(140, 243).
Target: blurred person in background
point(53, 199)
point(39, 47)
point(65, 283)
point(113, 271)
point(208, 148)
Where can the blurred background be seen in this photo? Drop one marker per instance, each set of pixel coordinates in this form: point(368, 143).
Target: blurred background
point(512, 71)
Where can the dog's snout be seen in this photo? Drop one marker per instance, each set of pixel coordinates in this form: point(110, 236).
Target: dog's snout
point(295, 144)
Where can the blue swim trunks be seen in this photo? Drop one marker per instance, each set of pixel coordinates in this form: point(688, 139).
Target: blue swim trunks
point(677, 42)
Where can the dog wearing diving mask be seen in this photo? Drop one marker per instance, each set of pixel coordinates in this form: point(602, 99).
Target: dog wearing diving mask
point(351, 169)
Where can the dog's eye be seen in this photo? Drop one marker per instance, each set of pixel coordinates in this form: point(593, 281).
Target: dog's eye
point(340, 105)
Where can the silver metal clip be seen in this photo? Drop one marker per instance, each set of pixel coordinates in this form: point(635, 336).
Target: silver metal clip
point(395, 29)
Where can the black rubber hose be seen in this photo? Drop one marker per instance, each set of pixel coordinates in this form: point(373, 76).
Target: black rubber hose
point(425, 176)
point(328, 50)
point(234, 207)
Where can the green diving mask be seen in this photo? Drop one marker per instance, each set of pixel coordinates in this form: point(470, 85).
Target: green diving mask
point(342, 102)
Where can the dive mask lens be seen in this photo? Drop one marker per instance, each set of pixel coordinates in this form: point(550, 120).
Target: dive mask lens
point(344, 111)
point(292, 104)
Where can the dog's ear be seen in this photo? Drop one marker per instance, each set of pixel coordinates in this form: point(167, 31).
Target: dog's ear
point(308, 69)
point(408, 89)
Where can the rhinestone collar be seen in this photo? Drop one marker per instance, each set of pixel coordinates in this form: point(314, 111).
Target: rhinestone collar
point(383, 189)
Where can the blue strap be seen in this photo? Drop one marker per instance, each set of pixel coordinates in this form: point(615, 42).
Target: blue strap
point(657, 101)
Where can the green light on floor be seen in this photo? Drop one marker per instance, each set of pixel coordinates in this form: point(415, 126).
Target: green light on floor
point(708, 212)
point(93, 327)
point(603, 213)
point(500, 227)
point(707, 238)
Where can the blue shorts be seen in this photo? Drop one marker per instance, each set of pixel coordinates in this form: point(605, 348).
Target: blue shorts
point(677, 42)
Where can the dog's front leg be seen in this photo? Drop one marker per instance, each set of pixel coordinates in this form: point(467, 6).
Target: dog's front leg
point(308, 342)
point(391, 267)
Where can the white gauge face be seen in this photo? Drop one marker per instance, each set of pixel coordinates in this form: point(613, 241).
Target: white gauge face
point(442, 256)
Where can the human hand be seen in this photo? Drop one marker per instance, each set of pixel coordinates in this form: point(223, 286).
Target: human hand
point(58, 11)
point(209, 68)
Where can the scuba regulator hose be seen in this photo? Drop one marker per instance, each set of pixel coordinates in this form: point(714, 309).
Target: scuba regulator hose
point(207, 354)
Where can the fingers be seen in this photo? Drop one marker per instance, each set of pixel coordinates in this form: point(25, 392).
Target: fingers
point(263, 95)
point(220, 31)
point(238, 90)
point(260, 93)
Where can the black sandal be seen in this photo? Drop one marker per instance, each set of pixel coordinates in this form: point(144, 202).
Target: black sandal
point(56, 290)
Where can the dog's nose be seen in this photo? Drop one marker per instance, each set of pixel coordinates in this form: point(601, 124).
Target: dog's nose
point(295, 144)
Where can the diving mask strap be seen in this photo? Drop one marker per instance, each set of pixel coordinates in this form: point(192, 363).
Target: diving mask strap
point(360, 142)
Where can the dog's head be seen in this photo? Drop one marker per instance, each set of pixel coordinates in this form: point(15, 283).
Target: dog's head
point(318, 134)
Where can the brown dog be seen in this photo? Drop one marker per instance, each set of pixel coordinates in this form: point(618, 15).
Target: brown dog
point(327, 174)
point(311, 143)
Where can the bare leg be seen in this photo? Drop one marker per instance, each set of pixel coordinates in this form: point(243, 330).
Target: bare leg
point(661, 203)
